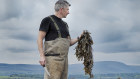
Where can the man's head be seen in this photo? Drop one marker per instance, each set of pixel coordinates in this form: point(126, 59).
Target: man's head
point(62, 7)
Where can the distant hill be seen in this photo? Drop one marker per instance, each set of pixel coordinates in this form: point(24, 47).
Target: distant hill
point(99, 68)
point(115, 67)
point(8, 69)
point(105, 67)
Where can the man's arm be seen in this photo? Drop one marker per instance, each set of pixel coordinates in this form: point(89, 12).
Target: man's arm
point(41, 36)
point(73, 41)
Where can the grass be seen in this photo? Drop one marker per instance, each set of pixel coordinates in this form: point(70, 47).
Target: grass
point(7, 77)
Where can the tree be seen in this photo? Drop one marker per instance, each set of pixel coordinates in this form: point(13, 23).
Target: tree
point(119, 78)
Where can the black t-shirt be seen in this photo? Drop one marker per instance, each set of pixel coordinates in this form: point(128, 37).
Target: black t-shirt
point(47, 25)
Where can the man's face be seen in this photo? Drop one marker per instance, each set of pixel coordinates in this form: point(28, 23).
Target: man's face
point(65, 12)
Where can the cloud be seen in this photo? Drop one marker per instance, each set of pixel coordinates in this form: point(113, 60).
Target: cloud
point(17, 46)
point(128, 57)
point(32, 57)
point(114, 25)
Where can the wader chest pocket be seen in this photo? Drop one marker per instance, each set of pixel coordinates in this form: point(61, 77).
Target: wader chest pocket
point(52, 54)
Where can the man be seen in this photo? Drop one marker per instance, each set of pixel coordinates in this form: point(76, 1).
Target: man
point(57, 42)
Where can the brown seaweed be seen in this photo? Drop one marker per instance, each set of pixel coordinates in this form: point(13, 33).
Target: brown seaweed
point(84, 52)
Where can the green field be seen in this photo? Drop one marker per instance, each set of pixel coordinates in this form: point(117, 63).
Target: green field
point(96, 76)
point(7, 77)
point(22, 76)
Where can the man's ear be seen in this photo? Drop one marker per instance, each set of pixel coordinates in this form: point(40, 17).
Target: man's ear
point(61, 9)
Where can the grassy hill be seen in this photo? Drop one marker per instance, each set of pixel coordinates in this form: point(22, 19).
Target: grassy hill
point(103, 67)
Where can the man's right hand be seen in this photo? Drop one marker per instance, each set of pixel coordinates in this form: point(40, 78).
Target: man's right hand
point(42, 61)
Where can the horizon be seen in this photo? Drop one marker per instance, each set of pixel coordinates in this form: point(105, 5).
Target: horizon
point(69, 64)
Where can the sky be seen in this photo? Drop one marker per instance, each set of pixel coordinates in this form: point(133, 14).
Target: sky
point(114, 26)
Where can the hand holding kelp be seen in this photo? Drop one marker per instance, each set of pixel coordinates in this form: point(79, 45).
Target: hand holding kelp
point(84, 52)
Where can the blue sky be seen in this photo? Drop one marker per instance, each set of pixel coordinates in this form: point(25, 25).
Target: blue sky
point(114, 27)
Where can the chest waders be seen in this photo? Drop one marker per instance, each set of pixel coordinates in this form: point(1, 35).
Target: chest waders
point(56, 55)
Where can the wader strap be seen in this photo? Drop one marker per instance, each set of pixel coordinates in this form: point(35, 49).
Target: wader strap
point(56, 26)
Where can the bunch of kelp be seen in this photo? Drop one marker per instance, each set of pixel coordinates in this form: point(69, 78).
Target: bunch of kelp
point(84, 52)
